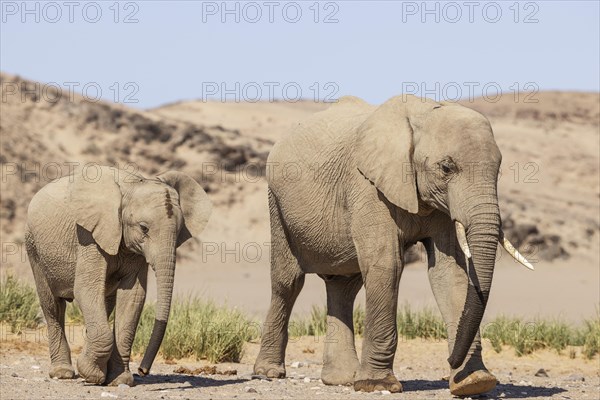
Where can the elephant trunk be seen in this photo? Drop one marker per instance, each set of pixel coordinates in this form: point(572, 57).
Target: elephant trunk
point(165, 273)
point(483, 230)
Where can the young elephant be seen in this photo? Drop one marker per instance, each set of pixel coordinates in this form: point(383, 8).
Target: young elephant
point(90, 236)
point(352, 188)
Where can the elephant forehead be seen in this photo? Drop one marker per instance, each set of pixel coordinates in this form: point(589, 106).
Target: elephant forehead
point(157, 195)
point(457, 120)
point(457, 129)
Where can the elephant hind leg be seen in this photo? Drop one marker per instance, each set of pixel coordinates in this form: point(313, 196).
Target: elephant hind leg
point(61, 368)
point(340, 361)
point(53, 309)
point(287, 280)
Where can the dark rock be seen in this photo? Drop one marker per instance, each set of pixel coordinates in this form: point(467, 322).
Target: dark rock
point(533, 244)
point(576, 378)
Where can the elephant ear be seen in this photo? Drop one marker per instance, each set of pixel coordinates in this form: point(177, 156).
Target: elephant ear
point(96, 203)
point(194, 203)
point(384, 153)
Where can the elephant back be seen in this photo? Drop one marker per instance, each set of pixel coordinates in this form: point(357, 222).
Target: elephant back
point(320, 138)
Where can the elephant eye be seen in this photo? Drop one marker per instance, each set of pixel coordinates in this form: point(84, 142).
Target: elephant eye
point(144, 229)
point(447, 166)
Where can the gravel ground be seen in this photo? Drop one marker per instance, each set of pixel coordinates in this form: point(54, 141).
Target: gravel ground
point(420, 366)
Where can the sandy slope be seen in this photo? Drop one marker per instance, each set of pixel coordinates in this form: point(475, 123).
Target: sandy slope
point(261, 119)
point(549, 190)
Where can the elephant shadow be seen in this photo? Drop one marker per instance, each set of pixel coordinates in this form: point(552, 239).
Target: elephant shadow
point(193, 380)
point(511, 391)
point(417, 385)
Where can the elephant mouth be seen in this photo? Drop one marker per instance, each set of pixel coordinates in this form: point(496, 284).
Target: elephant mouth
point(461, 236)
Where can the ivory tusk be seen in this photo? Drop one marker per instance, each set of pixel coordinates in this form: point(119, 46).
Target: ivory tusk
point(514, 252)
point(461, 236)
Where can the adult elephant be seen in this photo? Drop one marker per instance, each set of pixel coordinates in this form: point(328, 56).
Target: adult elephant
point(90, 236)
point(352, 188)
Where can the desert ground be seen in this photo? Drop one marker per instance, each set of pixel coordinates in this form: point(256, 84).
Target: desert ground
point(420, 366)
point(549, 195)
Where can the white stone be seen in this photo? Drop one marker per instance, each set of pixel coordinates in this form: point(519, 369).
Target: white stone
point(107, 394)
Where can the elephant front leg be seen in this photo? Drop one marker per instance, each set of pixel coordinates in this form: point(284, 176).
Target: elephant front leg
point(380, 264)
point(449, 284)
point(131, 295)
point(89, 290)
point(340, 362)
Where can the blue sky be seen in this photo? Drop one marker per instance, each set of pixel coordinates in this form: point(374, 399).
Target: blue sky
point(183, 50)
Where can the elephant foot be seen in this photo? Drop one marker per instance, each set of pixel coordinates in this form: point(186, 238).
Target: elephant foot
point(89, 370)
point(389, 383)
point(62, 371)
point(270, 370)
point(336, 374)
point(476, 382)
point(126, 378)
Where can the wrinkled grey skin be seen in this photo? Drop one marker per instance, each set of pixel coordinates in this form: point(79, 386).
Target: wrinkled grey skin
point(91, 236)
point(351, 189)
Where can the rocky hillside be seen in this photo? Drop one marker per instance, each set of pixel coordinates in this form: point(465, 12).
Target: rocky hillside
point(549, 188)
point(40, 139)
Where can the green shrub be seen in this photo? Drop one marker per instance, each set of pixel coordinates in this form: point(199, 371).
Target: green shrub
point(298, 327)
point(74, 314)
point(500, 332)
point(19, 305)
point(313, 325)
point(425, 324)
point(591, 337)
point(199, 328)
point(527, 337)
point(359, 320)
point(316, 323)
